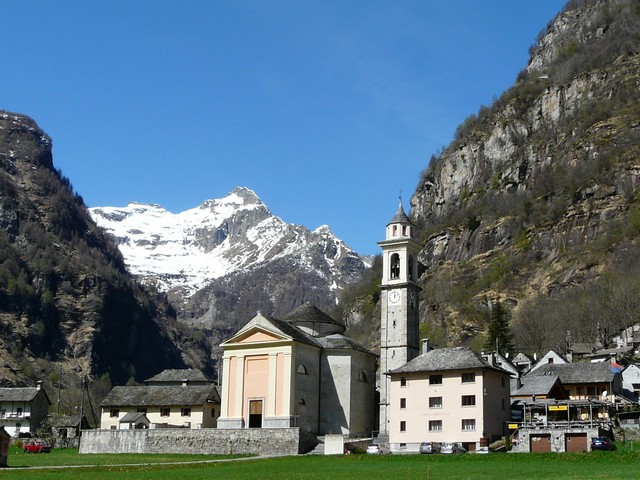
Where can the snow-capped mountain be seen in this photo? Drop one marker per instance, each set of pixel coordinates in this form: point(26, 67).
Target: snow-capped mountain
point(188, 251)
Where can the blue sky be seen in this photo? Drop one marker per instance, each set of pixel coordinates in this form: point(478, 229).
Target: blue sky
point(328, 110)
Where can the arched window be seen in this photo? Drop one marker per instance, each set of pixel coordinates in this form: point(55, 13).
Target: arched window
point(410, 267)
point(363, 376)
point(395, 265)
point(302, 369)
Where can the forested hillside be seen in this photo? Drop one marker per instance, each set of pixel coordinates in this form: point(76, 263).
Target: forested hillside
point(67, 304)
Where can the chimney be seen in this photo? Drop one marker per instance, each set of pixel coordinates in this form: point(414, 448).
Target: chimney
point(39, 384)
point(569, 355)
point(425, 345)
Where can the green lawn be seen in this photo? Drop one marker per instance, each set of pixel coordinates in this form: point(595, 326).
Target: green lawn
point(622, 464)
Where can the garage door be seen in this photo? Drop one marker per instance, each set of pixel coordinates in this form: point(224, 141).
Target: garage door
point(576, 442)
point(540, 443)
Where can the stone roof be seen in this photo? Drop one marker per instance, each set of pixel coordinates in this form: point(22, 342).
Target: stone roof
point(309, 313)
point(573, 373)
point(179, 375)
point(159, 396)
point(444, 359)
point(20, 394)
point(338, 341)
point(400, 217)
point(133, 417)
point(537, 385)
point(67, 421)
point(293, 331)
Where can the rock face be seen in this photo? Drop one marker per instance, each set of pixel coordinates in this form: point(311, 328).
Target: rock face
point(537, 194)
point(65, 298)
point(227, 258)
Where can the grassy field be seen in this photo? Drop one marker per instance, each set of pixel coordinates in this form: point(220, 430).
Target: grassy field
point(622, 464)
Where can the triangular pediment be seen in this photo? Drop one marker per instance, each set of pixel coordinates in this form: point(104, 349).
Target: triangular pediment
point(258, 330)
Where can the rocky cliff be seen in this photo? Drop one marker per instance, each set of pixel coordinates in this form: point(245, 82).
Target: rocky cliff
point(67, 303)
point(535, 202)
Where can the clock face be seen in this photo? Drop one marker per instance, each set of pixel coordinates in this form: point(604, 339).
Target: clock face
point(394, 296)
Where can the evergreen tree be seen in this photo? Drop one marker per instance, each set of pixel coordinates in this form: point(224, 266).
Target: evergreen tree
point(500, 336)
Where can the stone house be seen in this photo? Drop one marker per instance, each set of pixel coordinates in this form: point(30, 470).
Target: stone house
point(582, 381)
point(172, 399)
point(66, 430)
point(23, 409)
point(300, 371)
point(447, 395)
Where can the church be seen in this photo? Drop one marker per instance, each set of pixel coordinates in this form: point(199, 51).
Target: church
point(298, 371)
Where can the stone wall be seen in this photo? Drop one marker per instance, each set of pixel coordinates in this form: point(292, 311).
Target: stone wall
point(261, 441)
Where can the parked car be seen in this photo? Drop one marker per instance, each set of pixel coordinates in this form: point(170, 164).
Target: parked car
point(429, 447)
point(36, 446)
point(602, 443)
point(374, 449)
point(452, 448)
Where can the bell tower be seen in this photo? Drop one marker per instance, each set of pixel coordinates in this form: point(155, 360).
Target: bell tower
point(399, 304)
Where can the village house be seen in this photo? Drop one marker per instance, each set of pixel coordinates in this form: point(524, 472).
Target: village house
point(23, 409)
point(563, 405)
point(300, 371)
point(171, 399)
point(448, 395)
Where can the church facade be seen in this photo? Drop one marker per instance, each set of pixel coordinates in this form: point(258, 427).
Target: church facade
point(299, 371)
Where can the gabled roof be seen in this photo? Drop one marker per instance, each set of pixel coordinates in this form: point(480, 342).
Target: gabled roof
point(21, 394)
point(445, 359)
point(575, 373)
point(339, 342)
point(309, 313)
point(133, 417)
point(179, 375)
point(159, 396)
point(275, 326)
point(541, 385)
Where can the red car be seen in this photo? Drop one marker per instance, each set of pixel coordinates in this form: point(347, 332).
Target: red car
point(36, 446)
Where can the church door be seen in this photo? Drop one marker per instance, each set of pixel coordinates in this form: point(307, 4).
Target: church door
point(255, 413)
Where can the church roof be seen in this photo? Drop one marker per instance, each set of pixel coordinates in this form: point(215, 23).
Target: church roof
point(338, 341)
point(309, 313)
point(443, 359)
point(400, 217)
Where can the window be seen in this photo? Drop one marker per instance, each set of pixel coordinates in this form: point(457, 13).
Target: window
point(403, 426)
point(395, 266)
point(469, 377)
point(113, 427)
point(302, 369)
point(362, 377)
point(435, 425)
point(435, 379)
point(165, 412)
point(142, 410)
point(213, 413)
point(19, 411)
point(468, 424)
point(502, 381)
point(185, 412)
point(403, 403)
point(302, 402)
point(468, 400)
point(435, 402)
point(403, 381)
point(114, 412)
